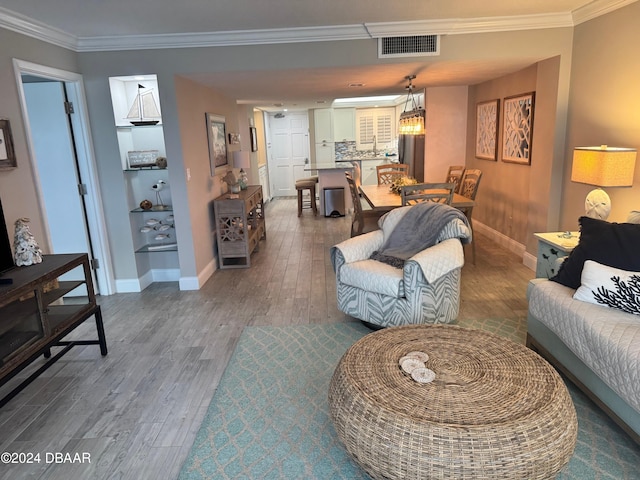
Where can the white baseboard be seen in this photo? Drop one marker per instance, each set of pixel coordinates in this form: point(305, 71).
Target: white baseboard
point(530, 261)
point(165, 274)
point(134, 285)
point(130, 285)
point(508, 243)
point(195, 283)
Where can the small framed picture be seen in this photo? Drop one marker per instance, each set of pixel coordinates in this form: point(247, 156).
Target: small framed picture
point(234, 138)
point(7, 153)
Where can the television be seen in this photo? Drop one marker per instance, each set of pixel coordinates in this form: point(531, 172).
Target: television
point(6, 254)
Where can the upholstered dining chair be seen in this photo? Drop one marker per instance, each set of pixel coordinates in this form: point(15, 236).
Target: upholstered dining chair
point(454, 175)
point(469, 188)
point(388, 172)
point(427, 192)
point(363, 221)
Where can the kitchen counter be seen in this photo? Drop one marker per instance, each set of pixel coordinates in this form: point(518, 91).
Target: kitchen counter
point(331, 175)
point(328, 166)
point(393, 159)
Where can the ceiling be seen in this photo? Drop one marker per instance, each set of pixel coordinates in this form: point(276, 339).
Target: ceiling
point(94, 25)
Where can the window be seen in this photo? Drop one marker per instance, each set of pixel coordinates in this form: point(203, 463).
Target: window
point(374, 126)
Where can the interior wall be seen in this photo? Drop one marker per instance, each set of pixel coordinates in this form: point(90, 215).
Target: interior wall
point(603, 107)
point(502, 199)
point(193, 101)
point(517, 200)
point(18, 185)
point(446, 129)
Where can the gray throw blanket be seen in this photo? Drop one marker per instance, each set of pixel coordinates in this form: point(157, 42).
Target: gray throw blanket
point(417, 231)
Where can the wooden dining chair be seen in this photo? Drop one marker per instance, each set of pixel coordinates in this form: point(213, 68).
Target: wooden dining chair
point(454, 175)
point(363, 221)
point(427, 192)
point(388, 172)
point(469, 188)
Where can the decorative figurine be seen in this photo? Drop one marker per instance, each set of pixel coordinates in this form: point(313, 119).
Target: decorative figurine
point(161, 162)
point(157, 187)
point(232, 182)
point(145, 205)
point(26, 249)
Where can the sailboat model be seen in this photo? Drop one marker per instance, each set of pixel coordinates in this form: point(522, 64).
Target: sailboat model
point(144, 109)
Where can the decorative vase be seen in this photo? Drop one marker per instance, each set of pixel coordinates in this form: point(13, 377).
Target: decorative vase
point(235, 188)
point(25, 247)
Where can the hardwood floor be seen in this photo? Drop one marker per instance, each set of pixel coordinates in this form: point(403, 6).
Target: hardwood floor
point(137, 410)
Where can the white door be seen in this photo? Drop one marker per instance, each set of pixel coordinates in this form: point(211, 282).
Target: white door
point(57, 168)
point(289, 152)
point(88, 230)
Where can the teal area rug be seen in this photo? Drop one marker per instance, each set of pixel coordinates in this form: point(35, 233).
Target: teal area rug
point(269, 416)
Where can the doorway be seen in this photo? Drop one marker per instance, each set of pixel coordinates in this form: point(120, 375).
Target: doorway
point(289, 151)
point(63, 165)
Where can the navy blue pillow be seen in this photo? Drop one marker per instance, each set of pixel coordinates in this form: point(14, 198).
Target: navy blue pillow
point(614, 244)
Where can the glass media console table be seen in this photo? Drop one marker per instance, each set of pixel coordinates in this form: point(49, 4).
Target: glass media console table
point(39, 305)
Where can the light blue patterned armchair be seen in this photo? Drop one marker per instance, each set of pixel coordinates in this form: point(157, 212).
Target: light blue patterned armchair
point(426, 290)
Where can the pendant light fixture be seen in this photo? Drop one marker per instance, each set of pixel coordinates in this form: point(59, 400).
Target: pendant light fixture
point(411, 121)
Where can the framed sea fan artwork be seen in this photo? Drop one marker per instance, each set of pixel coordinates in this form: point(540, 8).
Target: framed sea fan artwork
point(487, 129)
point(517, 128)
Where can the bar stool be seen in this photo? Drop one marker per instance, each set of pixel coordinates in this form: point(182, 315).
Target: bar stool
point(307, 184)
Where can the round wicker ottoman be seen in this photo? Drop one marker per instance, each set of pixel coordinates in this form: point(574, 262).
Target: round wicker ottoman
point(494, 410)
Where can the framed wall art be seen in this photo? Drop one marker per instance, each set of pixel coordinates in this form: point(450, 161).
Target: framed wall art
point(487, 129)
point(517, 128)
point(234, 138)
point(7, 153)
point(217, 137)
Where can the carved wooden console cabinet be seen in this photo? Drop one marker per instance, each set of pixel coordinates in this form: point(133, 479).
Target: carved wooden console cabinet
point(41, 305)
point(240, 225)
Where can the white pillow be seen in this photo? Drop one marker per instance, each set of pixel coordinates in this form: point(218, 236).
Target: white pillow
point(609, 287)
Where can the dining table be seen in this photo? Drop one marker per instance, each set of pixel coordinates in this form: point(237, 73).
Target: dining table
point(380, 196)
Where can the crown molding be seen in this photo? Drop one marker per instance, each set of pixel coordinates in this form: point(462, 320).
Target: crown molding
point(598, 8)
point(222, 39)
point(458, 26)
point(32, 28)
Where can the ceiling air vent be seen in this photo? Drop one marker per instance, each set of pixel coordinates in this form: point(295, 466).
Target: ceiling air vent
point(410, 46)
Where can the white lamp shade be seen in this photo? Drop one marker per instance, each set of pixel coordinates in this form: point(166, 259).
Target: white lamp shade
point(603, 166)
point(241, 159)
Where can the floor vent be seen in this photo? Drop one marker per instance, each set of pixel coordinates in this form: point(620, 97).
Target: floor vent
point(409, 46)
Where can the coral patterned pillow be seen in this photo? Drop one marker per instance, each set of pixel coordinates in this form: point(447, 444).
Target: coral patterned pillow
point(610, 287)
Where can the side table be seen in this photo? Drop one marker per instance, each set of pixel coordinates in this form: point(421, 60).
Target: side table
point(551, 247)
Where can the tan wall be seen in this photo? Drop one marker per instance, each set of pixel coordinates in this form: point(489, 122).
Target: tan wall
point(446, 127)
point(193, 100)
point(604, 104)
point(514, 199)
point(502, 201)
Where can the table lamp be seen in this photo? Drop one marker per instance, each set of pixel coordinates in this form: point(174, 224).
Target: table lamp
point(242, 160)
point(602, 166)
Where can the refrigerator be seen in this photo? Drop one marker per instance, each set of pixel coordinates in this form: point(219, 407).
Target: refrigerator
point(411, 152)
